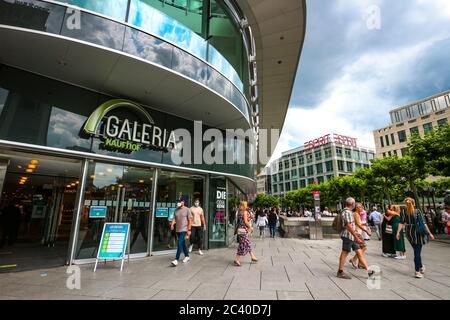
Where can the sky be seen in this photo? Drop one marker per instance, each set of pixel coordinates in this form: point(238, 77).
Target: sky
point(362, 58)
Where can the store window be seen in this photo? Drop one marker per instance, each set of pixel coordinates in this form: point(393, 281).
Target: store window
point(173, 186)
point(125, 193)
point(217, 219)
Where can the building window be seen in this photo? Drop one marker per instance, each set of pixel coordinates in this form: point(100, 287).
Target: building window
point(414, 130)
point(318, 155)
point(319, 168)
point(302, 184)
point(293, 162)
point(349, 167)
point(402, 136)
point(280, 177)
point(327, 153)
point(311, 181)
point(371, 156)
point(384, 154)
point(294, 185)
point(389, 153)
point(275, 188)
point(287, 176)
point(288, 186)
point(348, 153)
point(395, 153)
point(294, 174)
point(309, 158)
point(428, 127)
point(339, 152)
point(386, 137)
point(280, 165)
point(382, 142)
point(358, 166)
point(340, 165)
point(310, 170)
point(442, 122)
point(320, 180)
point(392, 138)
point(274, 178)
point(301, 172)
point(364, 156)
point(301, 160)
point(286, 164)
point(329, 166)
point(356, 155)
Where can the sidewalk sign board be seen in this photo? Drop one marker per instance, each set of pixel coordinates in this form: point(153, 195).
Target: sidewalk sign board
point(114, 243)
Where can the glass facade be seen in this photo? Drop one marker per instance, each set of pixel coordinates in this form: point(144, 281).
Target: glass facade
point(162, 37)
point(202, 27)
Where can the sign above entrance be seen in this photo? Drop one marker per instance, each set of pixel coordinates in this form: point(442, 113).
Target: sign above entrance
point(124, 135)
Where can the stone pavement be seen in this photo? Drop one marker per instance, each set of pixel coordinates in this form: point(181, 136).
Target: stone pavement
point(287, 269)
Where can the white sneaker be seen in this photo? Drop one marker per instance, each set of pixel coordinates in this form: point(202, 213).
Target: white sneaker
point(385, 255)
point(422, 270)
point(186, 259)
point(419, 275)
point(400, 257)
point(191, 247)
point(175, 262)
point(200, 252)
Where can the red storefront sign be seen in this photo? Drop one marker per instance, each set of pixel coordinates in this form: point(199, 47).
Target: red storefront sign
point(337, 138)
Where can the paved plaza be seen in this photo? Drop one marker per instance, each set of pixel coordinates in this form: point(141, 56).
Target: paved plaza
point(287, 269)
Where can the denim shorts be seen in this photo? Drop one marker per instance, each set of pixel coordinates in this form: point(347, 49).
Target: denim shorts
point(349, 245)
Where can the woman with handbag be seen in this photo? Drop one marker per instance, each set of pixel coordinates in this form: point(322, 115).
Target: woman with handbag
point(387, 234)
point(361, 229)
point(417, 233)
point(243, 227)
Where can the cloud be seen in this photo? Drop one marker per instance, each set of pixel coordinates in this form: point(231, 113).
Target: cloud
point(350, 77)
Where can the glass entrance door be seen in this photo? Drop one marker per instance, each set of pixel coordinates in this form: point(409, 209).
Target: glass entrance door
point(36, 209)
point(125, 194)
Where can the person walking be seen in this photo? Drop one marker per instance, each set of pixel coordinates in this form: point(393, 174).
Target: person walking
point(417, 233)
point(376, 217)
point(388, 249)
point(273, 218)
point(262, 222)
point(363, 216)
point(399, 244)
point(183, 221)
point(361, 229)
point(198, 226)
point(243, 228)
point(350, 240)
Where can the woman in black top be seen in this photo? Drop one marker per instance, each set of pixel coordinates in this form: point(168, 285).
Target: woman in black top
point(386, 237)
point(417, 233)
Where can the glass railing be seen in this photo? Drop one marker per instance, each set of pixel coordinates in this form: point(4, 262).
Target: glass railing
point(152, 20)
point(53, 18)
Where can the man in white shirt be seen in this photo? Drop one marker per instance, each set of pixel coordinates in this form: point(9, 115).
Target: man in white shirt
point(376, 218)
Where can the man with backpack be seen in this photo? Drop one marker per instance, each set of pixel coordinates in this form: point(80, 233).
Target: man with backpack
point(345, 224)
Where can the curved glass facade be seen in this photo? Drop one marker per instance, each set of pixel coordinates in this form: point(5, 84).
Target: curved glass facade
point(201, 27)
point(48, 17)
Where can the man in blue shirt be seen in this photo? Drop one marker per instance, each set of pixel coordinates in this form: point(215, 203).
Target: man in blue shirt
point(376, 217)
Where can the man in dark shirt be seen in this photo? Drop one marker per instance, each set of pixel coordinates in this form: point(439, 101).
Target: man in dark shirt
point(273, 217)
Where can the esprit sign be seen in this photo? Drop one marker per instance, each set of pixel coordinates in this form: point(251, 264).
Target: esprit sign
point(122, 134)
point(337, 138)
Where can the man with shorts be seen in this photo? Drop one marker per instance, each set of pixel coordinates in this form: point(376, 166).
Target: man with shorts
point(350, 240)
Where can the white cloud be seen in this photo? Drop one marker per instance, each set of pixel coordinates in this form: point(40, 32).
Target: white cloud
point(355, 104)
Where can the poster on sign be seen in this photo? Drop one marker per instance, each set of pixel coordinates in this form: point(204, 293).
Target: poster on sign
point(114, 243)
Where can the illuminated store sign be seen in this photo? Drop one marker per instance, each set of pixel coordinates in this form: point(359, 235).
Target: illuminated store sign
point(122, 134)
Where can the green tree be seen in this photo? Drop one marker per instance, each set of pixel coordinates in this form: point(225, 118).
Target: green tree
point(431, 153)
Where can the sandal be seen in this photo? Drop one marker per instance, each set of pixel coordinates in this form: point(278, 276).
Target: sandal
point(360, 266)
point(254, 260)
point(237, 264)
point(353, 263)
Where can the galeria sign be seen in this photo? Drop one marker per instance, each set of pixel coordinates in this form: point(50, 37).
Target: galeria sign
point(123, 134)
